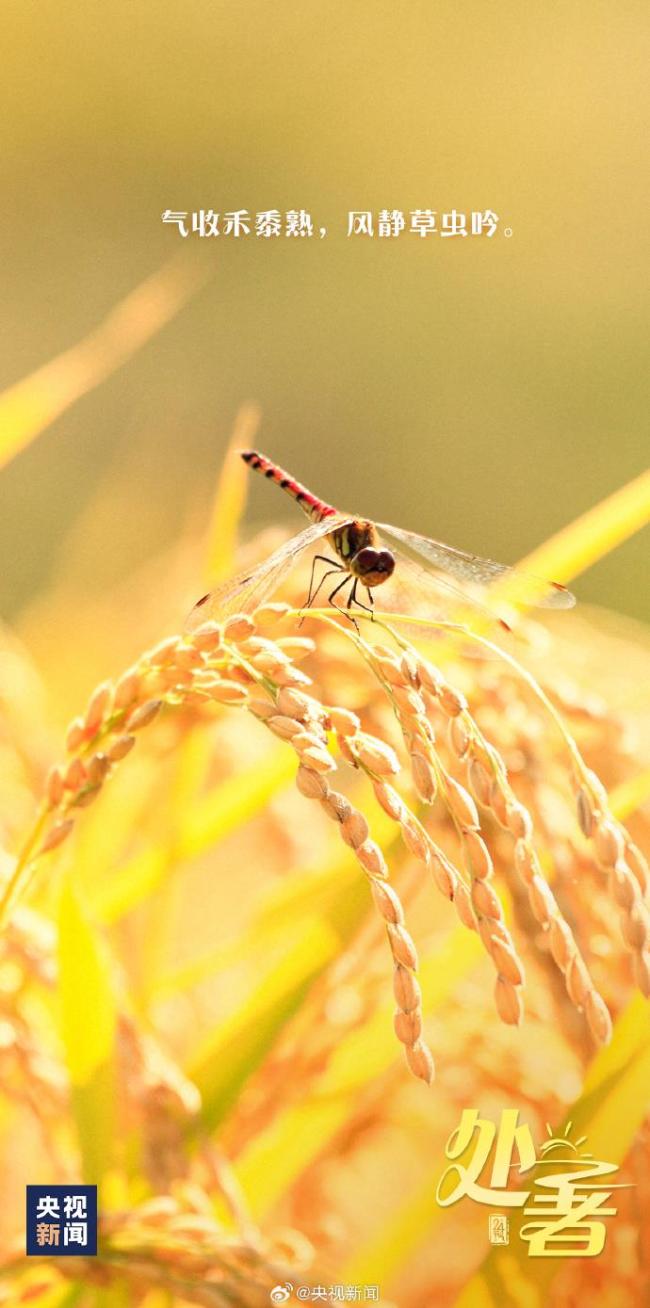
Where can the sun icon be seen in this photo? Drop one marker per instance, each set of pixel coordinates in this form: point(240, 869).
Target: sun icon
point(563, 1142)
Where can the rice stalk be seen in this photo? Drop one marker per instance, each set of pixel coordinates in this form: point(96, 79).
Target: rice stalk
point(251, 662)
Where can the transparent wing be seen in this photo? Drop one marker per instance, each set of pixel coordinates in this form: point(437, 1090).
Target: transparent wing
point(424, 594)
point(481, 572)
point(251, 588)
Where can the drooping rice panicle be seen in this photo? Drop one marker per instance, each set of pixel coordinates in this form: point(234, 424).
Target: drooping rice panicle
point(251, 661)
point(478, 905)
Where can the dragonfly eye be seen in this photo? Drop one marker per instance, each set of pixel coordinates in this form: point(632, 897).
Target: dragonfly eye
point(373, 566)
point(385, 562)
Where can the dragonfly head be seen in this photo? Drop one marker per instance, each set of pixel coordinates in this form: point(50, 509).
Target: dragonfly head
point(372, 566)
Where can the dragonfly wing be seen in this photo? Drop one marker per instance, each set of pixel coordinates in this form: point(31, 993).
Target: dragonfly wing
point(422, 593)
point(480, 572)
point(243, 593)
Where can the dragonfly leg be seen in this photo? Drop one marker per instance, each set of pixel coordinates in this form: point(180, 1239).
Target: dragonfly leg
point(346, 579)
point(354, 599)
point(346, 613)
point(333, 566)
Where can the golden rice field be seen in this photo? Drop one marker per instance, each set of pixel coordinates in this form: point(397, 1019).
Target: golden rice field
point(281, 895)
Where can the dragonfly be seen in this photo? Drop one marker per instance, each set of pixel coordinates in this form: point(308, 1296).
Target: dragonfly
point(368, 555)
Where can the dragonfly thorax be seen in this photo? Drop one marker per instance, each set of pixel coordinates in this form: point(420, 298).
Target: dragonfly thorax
point(357, 546)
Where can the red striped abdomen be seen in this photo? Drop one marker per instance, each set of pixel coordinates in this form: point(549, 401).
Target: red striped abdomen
point(315, 509)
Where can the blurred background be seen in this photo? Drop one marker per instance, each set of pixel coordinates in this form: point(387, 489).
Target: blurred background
point(482, 391)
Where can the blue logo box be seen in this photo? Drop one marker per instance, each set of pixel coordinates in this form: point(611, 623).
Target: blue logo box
point(61, 1221)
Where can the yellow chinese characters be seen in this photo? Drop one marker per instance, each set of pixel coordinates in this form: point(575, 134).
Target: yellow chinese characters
point(569, 1203)
point(483, 1135)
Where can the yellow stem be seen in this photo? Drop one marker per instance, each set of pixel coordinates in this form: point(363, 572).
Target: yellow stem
point(24, 858)
point(576, 547)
